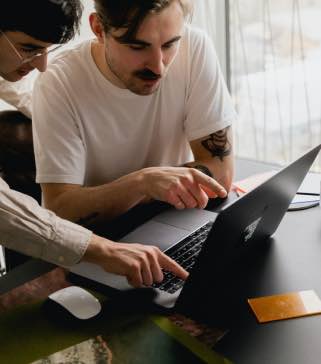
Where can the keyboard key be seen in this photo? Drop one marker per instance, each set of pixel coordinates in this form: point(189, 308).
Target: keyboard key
point(185, 254)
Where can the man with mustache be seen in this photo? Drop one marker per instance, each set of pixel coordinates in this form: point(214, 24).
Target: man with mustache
point(141, 113)
point(24, 225)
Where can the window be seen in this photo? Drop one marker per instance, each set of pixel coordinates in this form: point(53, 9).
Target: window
point(275, 76)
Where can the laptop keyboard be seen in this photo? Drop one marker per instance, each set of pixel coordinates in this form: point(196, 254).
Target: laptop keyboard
point(184, 253)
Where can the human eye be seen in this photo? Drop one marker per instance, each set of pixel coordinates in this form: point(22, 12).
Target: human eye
point(29, 51)
point(170, 45)
point(136, 47)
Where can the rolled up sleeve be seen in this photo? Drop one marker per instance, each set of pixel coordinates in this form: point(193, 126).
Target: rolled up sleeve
point(32, 230)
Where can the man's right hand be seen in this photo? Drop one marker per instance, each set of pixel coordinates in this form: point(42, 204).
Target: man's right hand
point(181, 187)
point(141, 264)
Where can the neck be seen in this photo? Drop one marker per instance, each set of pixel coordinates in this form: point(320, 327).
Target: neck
point(98, 53)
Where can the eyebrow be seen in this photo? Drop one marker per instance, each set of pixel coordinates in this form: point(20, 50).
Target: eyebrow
point(146, 44)
point(175, 39)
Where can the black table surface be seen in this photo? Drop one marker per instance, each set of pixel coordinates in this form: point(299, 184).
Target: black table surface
point(292, 263)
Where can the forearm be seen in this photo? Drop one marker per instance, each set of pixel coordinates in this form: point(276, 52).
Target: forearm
point(30, 229)
point(215, 153)
point(87, 205)
point(222, 172)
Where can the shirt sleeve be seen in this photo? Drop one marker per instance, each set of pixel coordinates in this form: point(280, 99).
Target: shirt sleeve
point(209, 107)
point(17, 94)
point(32, 230)
point(59, 150)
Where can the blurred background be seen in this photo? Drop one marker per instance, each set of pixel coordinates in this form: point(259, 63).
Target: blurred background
point(270, 53)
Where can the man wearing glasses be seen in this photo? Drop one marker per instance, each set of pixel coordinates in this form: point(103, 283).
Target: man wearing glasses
point(29, 56)
point(21, 53)
point(24, 225)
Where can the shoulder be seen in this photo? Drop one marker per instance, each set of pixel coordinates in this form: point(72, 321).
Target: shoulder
point(196, 45)
point(191, 43)
point(194, 37)
point(65, 67)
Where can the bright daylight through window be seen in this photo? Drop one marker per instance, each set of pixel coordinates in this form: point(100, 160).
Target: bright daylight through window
point(275, 57)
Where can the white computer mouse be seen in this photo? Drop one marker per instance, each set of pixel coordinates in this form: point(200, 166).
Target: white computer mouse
point(79, 302)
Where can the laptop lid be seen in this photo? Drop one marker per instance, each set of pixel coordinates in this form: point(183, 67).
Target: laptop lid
point(240, 226)
point(238, 237)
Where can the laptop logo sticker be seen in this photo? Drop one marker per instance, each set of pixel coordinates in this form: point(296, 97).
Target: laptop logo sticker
point(250, 230)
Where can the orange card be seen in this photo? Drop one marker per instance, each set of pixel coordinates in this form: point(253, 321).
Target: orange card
point(285, 306)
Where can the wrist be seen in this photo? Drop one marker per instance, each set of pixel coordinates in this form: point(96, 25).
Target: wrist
point(96, 249)
point(142, 183)
point(203, 169)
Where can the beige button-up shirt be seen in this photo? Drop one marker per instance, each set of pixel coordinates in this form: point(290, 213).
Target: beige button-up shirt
point(30, 229)
point(24, 225)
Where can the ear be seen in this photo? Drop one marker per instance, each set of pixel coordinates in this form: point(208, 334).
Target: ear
point(97, 27)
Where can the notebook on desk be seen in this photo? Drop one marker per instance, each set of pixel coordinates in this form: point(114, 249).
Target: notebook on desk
point(209, 244)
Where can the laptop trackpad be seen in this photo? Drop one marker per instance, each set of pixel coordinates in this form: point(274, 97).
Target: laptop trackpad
point(157, 234)
point(188, 219)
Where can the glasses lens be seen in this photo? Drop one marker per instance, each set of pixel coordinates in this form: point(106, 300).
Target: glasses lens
point(39, 56)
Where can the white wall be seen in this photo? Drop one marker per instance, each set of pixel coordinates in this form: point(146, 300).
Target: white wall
point(85, 31)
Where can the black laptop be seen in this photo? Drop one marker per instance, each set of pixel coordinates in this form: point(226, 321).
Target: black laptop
point(219, 252)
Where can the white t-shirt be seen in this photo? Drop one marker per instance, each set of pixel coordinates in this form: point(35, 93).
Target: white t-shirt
point(87, 131)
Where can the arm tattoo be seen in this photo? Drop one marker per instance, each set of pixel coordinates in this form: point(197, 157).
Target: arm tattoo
point(217, 144)
point(203, 169)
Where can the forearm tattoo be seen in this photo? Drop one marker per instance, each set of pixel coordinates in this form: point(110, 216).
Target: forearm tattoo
point(217, 144)
point(203, 169)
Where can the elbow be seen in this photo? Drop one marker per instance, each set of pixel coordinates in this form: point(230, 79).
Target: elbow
point(54, 206)
point(57, 205)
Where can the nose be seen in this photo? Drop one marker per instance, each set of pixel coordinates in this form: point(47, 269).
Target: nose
point(40, 62)
point(156, 62)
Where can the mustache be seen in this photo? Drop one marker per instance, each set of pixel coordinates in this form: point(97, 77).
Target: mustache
point(147, 74)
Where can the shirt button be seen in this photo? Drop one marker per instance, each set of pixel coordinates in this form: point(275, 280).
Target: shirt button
point(61, 259)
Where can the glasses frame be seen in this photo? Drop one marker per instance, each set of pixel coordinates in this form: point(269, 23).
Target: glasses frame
point(24, 60)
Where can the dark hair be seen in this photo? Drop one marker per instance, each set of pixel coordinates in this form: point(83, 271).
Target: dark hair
point(51, 21)
point(131, 13)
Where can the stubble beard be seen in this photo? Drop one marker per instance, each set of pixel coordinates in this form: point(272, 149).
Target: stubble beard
point(132, 83)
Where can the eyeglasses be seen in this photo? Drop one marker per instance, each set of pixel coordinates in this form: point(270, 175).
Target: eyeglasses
point(34, 57)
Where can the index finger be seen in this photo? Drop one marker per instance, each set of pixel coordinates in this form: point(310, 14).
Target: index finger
point(212, 187)
point(169, 264)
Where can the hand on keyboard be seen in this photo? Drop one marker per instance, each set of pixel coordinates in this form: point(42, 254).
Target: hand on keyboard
point(185, 253)
point(141, 264)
